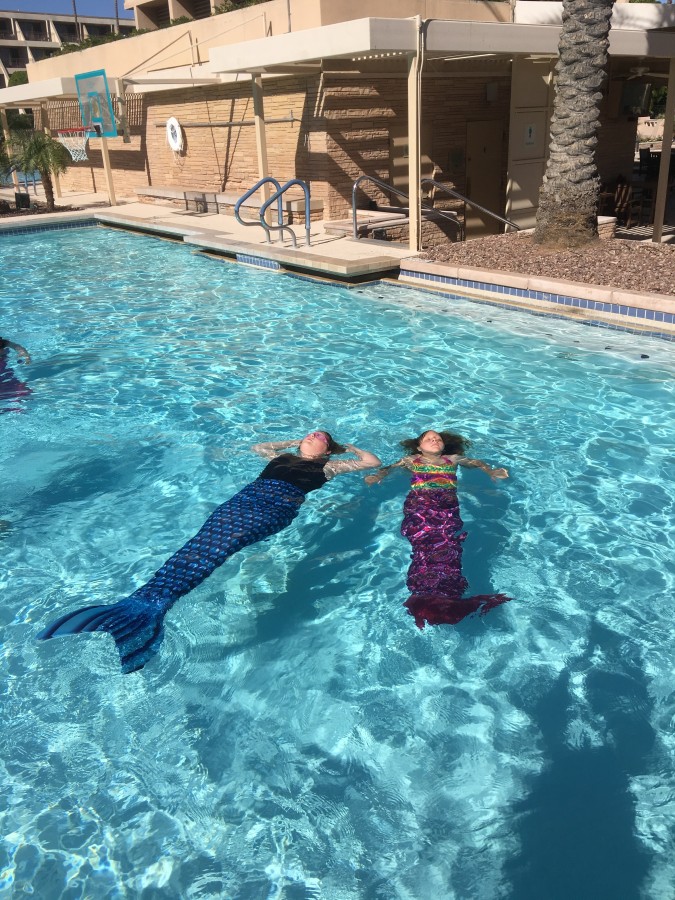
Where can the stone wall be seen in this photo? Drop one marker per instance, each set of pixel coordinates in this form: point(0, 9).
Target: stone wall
point(361, 120)
point(215, 157)
point(129, 162)
point(342, 127)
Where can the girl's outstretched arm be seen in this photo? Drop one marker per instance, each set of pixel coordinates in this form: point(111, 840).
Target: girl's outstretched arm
point(21, 352)
point(365, 460)
point(479, 464)
point(269, 449)
point(381, 473)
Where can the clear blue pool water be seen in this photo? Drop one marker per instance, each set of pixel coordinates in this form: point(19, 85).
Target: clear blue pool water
point(298, 737)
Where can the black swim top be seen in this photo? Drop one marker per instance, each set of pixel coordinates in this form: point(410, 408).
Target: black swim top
point(305, 474)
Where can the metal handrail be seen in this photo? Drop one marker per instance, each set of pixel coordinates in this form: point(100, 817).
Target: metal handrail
point(277, 196)
point(382, 184)
point(451, 217)
point(461, 197)
point(244, 197)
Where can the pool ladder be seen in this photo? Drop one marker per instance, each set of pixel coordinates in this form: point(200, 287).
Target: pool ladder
point(280, 190)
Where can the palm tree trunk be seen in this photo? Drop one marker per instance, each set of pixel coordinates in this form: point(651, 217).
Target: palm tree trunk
point(49, 189)
point(568, 198)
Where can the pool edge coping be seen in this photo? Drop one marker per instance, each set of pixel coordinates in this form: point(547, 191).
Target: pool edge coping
point(641, 313)
point(644, 313)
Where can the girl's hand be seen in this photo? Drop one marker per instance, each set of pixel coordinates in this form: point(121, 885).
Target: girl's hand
point(376, 478)
point(499, 473)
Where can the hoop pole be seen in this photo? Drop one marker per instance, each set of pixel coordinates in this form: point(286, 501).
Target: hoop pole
point(5, 131)
point(55, 178)
point(108, 171)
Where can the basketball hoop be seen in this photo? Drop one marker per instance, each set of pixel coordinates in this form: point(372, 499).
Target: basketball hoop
point(75, 142)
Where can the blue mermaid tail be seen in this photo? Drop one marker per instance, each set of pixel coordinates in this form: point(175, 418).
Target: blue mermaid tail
point(258, 511)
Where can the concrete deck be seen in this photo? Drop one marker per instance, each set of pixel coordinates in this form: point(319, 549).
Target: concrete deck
point(342, 257)
point(329, 255)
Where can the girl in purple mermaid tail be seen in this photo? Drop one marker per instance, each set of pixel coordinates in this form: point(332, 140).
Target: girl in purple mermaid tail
point(11, 388)
point(433, 525)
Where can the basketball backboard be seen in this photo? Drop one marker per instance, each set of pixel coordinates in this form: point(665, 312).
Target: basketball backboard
point(96, 107)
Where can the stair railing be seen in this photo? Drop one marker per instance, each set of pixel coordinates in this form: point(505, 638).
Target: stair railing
point(280, 209)
point(451, 217)
point(472, 203)
point(277, 197)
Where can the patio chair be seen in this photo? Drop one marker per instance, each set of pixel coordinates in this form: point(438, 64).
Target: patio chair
point(628, 203)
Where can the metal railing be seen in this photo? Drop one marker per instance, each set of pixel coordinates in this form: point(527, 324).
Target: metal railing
point(277, 196)
point(280, 210)
point(451, 217)
point(458, 196)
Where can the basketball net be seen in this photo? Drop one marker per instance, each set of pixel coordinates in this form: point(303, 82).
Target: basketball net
point(75, 142)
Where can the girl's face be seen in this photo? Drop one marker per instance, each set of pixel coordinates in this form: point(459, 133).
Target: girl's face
point(314, 445)
point(431, 442)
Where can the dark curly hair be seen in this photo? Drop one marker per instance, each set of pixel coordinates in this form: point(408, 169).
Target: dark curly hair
point(452, 443)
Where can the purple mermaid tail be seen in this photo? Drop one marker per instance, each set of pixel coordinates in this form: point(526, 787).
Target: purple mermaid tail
point(433, 525)
point(11, 388)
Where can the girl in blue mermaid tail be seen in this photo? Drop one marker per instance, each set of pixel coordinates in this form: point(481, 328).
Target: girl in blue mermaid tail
point(264, 507)
point(433, 525)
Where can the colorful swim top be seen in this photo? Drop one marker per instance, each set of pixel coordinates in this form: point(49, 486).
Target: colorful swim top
point(426, 476)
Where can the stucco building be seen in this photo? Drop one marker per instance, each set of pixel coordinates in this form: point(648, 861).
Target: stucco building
point(459, 91)
point(30, 37)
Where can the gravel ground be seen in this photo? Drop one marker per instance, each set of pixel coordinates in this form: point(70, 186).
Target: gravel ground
point(621, 264)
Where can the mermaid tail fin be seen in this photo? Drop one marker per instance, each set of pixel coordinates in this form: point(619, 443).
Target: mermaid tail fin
point(439, 609)
point(135, 626)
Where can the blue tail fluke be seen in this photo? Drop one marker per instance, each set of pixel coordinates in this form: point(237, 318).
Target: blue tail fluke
point(135, 626)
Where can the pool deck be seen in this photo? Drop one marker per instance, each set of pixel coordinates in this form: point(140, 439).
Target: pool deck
point(335, 257)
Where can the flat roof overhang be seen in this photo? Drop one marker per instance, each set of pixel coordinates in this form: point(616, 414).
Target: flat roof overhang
point(505, 38)
point(362, 37)
point(358, 39)
point(341, 41)
point(24, 95)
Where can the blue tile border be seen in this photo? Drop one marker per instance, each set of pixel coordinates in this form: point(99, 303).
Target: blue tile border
point(57, 226)
point(258, 261)
point(630, 312)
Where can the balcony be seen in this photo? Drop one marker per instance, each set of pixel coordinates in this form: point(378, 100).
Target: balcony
point(97, 30)
point(33, 31)
point(14, 60)
point(67, 35)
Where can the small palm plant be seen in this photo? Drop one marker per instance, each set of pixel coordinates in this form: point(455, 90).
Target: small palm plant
point(35, 150)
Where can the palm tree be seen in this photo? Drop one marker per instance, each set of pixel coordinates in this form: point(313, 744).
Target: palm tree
point(568, 198)
point(36, 150)
point(5, 161)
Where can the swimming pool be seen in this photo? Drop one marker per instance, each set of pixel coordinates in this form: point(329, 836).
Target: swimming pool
point(297, 736)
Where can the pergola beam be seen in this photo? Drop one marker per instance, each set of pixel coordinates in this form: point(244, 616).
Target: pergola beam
point(666, 144)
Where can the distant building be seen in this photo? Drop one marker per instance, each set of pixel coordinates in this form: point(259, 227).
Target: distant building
point(30, 37)
point(458, 104)
point(159, 13)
